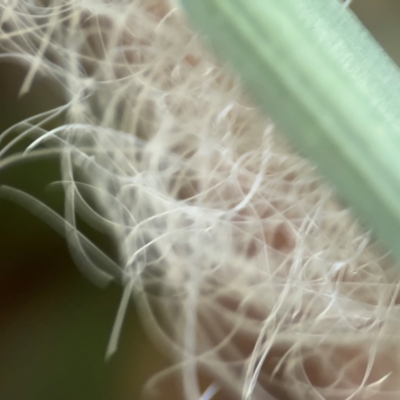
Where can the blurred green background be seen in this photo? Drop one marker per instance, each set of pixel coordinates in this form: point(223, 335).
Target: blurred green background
point(54, 325)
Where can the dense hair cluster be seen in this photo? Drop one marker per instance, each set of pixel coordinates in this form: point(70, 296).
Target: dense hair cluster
point(259, 284)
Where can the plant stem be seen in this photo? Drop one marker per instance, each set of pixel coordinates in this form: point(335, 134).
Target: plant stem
point(328, 86)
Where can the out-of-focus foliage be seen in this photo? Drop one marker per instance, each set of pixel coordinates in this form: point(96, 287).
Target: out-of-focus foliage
point(54, 325)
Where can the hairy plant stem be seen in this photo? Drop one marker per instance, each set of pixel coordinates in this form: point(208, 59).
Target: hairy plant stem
point(328, 86)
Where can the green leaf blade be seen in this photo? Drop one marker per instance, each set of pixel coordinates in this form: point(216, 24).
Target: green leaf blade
point(328, 85)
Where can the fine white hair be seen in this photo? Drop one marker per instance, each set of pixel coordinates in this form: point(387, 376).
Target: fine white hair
point(245, 268)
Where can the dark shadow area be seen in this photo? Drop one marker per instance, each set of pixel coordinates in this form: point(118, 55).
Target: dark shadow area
point(54, 324)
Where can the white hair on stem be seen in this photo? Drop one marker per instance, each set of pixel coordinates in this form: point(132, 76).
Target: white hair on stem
point(242, 264)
